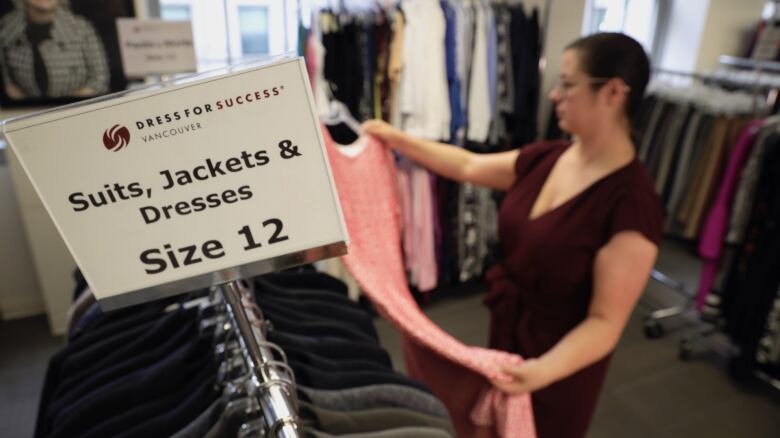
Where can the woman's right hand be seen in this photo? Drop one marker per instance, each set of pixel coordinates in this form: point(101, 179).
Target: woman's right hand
point(384, 131)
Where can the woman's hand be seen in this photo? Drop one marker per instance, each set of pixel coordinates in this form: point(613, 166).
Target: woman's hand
point(383, 131)
point(527, 377)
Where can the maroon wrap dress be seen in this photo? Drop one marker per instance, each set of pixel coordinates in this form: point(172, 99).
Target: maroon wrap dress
point(542, 288)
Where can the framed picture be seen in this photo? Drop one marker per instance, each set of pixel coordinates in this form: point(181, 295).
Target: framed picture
point(59, 51)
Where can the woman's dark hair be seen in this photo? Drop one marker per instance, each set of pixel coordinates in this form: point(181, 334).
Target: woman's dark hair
point(616, 55)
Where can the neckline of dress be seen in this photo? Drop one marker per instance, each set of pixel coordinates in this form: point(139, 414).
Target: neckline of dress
point(577, 195)
point(352, 150)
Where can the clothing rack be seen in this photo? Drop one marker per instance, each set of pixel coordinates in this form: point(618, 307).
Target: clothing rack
point(766, 79)
point(652, 322)
point(270, 387)
point(736, 78)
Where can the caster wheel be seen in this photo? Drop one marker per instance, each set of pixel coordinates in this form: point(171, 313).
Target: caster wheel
point(653, 329)
point(686, 350)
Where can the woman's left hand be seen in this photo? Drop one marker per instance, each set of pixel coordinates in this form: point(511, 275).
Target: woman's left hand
point(527, 377)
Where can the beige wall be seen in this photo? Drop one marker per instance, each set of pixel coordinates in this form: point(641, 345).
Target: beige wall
point(48, 271)
point(565, 26)
point(727, 30)
point(19, 292)
point(51, 258)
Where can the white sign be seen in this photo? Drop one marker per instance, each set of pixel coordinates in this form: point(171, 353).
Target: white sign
point(155, 47)
point(164, 192)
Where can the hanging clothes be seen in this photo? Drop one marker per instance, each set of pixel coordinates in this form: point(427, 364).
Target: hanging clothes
point(715, 228)
point(395, 66)
point(450, 69)
point(424, 96)
point(419, 233)
point(754, 277)
point(479, 88)
point(712, 306)
point(156, 370)
point(453, 21)
point(685, 144)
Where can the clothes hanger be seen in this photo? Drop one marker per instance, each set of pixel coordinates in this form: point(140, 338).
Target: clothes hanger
point(339, 113)
point(253, 428)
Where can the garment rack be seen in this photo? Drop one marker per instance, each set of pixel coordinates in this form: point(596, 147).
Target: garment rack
point(652, 322)
point(703, 335)
point(271, 388)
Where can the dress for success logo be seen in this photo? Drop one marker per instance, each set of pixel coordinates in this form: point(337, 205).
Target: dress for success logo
point(116, 138)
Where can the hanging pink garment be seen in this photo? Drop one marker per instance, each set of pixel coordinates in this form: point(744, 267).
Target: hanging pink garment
point(716, 224)
point(456, 373)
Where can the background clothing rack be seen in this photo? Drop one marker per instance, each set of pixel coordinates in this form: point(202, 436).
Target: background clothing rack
point(762, 80)
point(652, 322)
point(277, 400)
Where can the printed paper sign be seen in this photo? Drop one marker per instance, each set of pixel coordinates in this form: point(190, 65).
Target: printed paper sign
point(159, 193)
point(155, 47)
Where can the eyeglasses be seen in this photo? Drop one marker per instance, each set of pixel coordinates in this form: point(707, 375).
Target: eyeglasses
point(565, 87)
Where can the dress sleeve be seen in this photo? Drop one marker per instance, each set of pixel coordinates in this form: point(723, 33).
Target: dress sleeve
point(531, 154)
point(641, 212)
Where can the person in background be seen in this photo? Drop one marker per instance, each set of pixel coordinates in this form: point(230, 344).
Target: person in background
point(579, 229)
point(47, 51)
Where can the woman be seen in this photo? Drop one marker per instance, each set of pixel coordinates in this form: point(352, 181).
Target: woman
point(579, 227)
point(47, 51)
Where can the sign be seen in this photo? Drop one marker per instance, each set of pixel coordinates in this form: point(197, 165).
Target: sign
point(155, 47)
point(201, 183)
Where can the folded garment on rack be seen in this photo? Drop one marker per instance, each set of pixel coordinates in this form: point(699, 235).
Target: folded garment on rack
point(161, 370)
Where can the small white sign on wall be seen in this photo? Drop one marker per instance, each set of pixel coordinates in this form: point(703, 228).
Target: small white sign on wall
point(156, 47)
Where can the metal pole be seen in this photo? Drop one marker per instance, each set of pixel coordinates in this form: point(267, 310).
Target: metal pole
point(268, 384)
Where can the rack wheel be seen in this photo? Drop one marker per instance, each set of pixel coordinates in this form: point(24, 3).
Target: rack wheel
point(653, 329)
point(686, 350)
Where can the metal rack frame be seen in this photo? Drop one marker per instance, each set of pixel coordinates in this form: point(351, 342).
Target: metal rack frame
point(652, 322)
point(266, 382)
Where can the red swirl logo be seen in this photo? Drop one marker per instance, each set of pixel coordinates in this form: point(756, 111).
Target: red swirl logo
point(116, 138)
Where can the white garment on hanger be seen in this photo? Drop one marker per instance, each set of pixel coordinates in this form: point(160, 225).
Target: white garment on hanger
point(321, 92)
point(424, 96)
point(479, 97)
